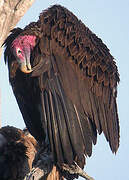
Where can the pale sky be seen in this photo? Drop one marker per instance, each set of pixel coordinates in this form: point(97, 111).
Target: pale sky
point(109, 20)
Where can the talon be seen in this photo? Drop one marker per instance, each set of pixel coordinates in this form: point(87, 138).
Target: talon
point(75, 169)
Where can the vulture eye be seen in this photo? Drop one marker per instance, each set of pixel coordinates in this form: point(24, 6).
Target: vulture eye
point(19, 51)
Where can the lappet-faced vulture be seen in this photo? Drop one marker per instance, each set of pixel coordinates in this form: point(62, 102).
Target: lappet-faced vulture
point(65, 83)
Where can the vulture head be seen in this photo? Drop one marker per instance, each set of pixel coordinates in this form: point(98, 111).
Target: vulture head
point(21, 49)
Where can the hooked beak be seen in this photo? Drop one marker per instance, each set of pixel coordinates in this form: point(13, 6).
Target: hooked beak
point(25, 65)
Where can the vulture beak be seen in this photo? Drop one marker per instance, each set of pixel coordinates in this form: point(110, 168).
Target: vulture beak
point(25, 65)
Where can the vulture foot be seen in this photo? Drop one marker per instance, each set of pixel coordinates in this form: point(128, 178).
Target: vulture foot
point(36, 173)
point(76, 170)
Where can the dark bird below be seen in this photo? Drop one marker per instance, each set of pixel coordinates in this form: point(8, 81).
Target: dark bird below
point(65, 83)
point(17, 151)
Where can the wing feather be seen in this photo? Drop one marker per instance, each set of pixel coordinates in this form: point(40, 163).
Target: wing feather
point(91, 95)
point(68, 128)
point(46, 111)
point(55, 129)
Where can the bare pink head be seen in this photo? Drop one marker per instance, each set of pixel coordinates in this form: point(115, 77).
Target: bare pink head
point(21, 48)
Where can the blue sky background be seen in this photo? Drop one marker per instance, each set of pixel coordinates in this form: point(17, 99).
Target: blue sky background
point(110, 21)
